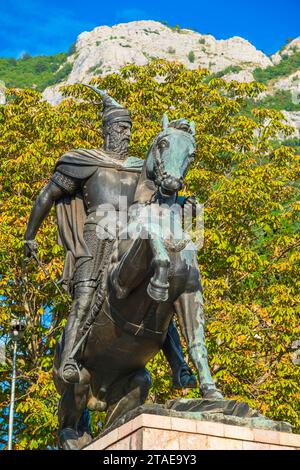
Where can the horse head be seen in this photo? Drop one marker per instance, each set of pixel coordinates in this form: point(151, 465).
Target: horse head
point(170, 155)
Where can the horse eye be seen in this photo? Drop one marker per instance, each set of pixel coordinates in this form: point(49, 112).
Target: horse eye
point(163, 144)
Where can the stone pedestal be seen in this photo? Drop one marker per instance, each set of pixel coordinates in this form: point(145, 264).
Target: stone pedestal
point(157, 432)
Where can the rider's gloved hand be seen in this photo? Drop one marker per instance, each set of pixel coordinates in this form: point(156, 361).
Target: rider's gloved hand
point(191, 200)
point(29, 247)
point(191, 211)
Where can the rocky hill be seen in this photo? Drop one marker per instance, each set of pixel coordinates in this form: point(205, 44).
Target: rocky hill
point(106, 49)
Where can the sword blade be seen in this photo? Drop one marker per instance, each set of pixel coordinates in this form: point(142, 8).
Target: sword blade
point(46, 272)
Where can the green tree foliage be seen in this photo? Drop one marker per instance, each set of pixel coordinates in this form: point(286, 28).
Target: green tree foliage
point(34, 72)
point(287, 65)
point(227, 70)
point(249, 263)
point(293, 142)
point(281, 100)
point(191, 56)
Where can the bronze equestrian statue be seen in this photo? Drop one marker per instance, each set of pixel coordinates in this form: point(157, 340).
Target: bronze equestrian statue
point(152, 276)
point(84, 179)
point(125, 291)
point(129, 273)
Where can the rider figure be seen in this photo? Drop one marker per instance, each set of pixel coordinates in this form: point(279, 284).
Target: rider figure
point(82, 181)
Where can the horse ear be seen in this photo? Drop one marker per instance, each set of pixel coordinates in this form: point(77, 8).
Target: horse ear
point(165, 121)
point(193, 128)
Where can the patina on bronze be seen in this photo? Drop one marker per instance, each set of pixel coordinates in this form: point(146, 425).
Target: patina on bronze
point(144, 285)
point(83, 179)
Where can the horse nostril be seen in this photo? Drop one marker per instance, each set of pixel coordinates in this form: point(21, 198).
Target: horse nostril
point(171, 184)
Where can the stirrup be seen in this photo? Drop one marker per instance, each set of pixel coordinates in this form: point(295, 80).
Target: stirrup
point(189, 382)
point(70, 372)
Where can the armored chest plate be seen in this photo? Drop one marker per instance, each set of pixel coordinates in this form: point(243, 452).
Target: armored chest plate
point(106, 186)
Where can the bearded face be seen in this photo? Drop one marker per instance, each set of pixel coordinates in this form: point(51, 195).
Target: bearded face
point(117, 137)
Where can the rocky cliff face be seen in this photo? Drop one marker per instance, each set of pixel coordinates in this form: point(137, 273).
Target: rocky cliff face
point(107, 49)
point(288, 50)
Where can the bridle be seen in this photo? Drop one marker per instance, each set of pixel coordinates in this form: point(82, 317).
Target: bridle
point(161, 174)
point(159, 169)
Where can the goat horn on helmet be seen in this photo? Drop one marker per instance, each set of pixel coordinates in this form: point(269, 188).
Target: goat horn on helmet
point(112, 110)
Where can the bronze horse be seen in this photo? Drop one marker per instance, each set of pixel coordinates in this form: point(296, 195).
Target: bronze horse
point(152, 275)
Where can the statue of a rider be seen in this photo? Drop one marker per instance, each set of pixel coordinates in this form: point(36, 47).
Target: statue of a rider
point(83, 181)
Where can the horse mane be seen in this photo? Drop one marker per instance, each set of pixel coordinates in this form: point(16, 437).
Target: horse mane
point(146, 188)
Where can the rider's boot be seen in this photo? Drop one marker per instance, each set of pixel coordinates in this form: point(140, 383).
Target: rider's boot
point(183, 376)
point(69, 370)
point(210, 392)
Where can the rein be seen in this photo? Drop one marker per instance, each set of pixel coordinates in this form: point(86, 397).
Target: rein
point(160, 172)
point(127, 326)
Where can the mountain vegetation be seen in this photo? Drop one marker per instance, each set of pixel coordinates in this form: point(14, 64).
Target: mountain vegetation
point(287, 65)
point(36, 72)
point(281, 100)
point(110, 48)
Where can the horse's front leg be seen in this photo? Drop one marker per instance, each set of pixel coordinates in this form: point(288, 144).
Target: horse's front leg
point(158, 287)
point(137, 257)
point(74, 429)
point(129, 266)
point(189, 308)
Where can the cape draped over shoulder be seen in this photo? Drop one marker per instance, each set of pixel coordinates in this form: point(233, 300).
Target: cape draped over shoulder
point(80, 164)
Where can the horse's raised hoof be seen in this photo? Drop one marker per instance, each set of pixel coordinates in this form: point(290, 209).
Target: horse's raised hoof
point(70, 372)
point(210, 392)
point(157, 292)
point(185, 379)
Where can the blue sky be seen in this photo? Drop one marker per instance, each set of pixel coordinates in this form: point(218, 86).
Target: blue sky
point(46, 27)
